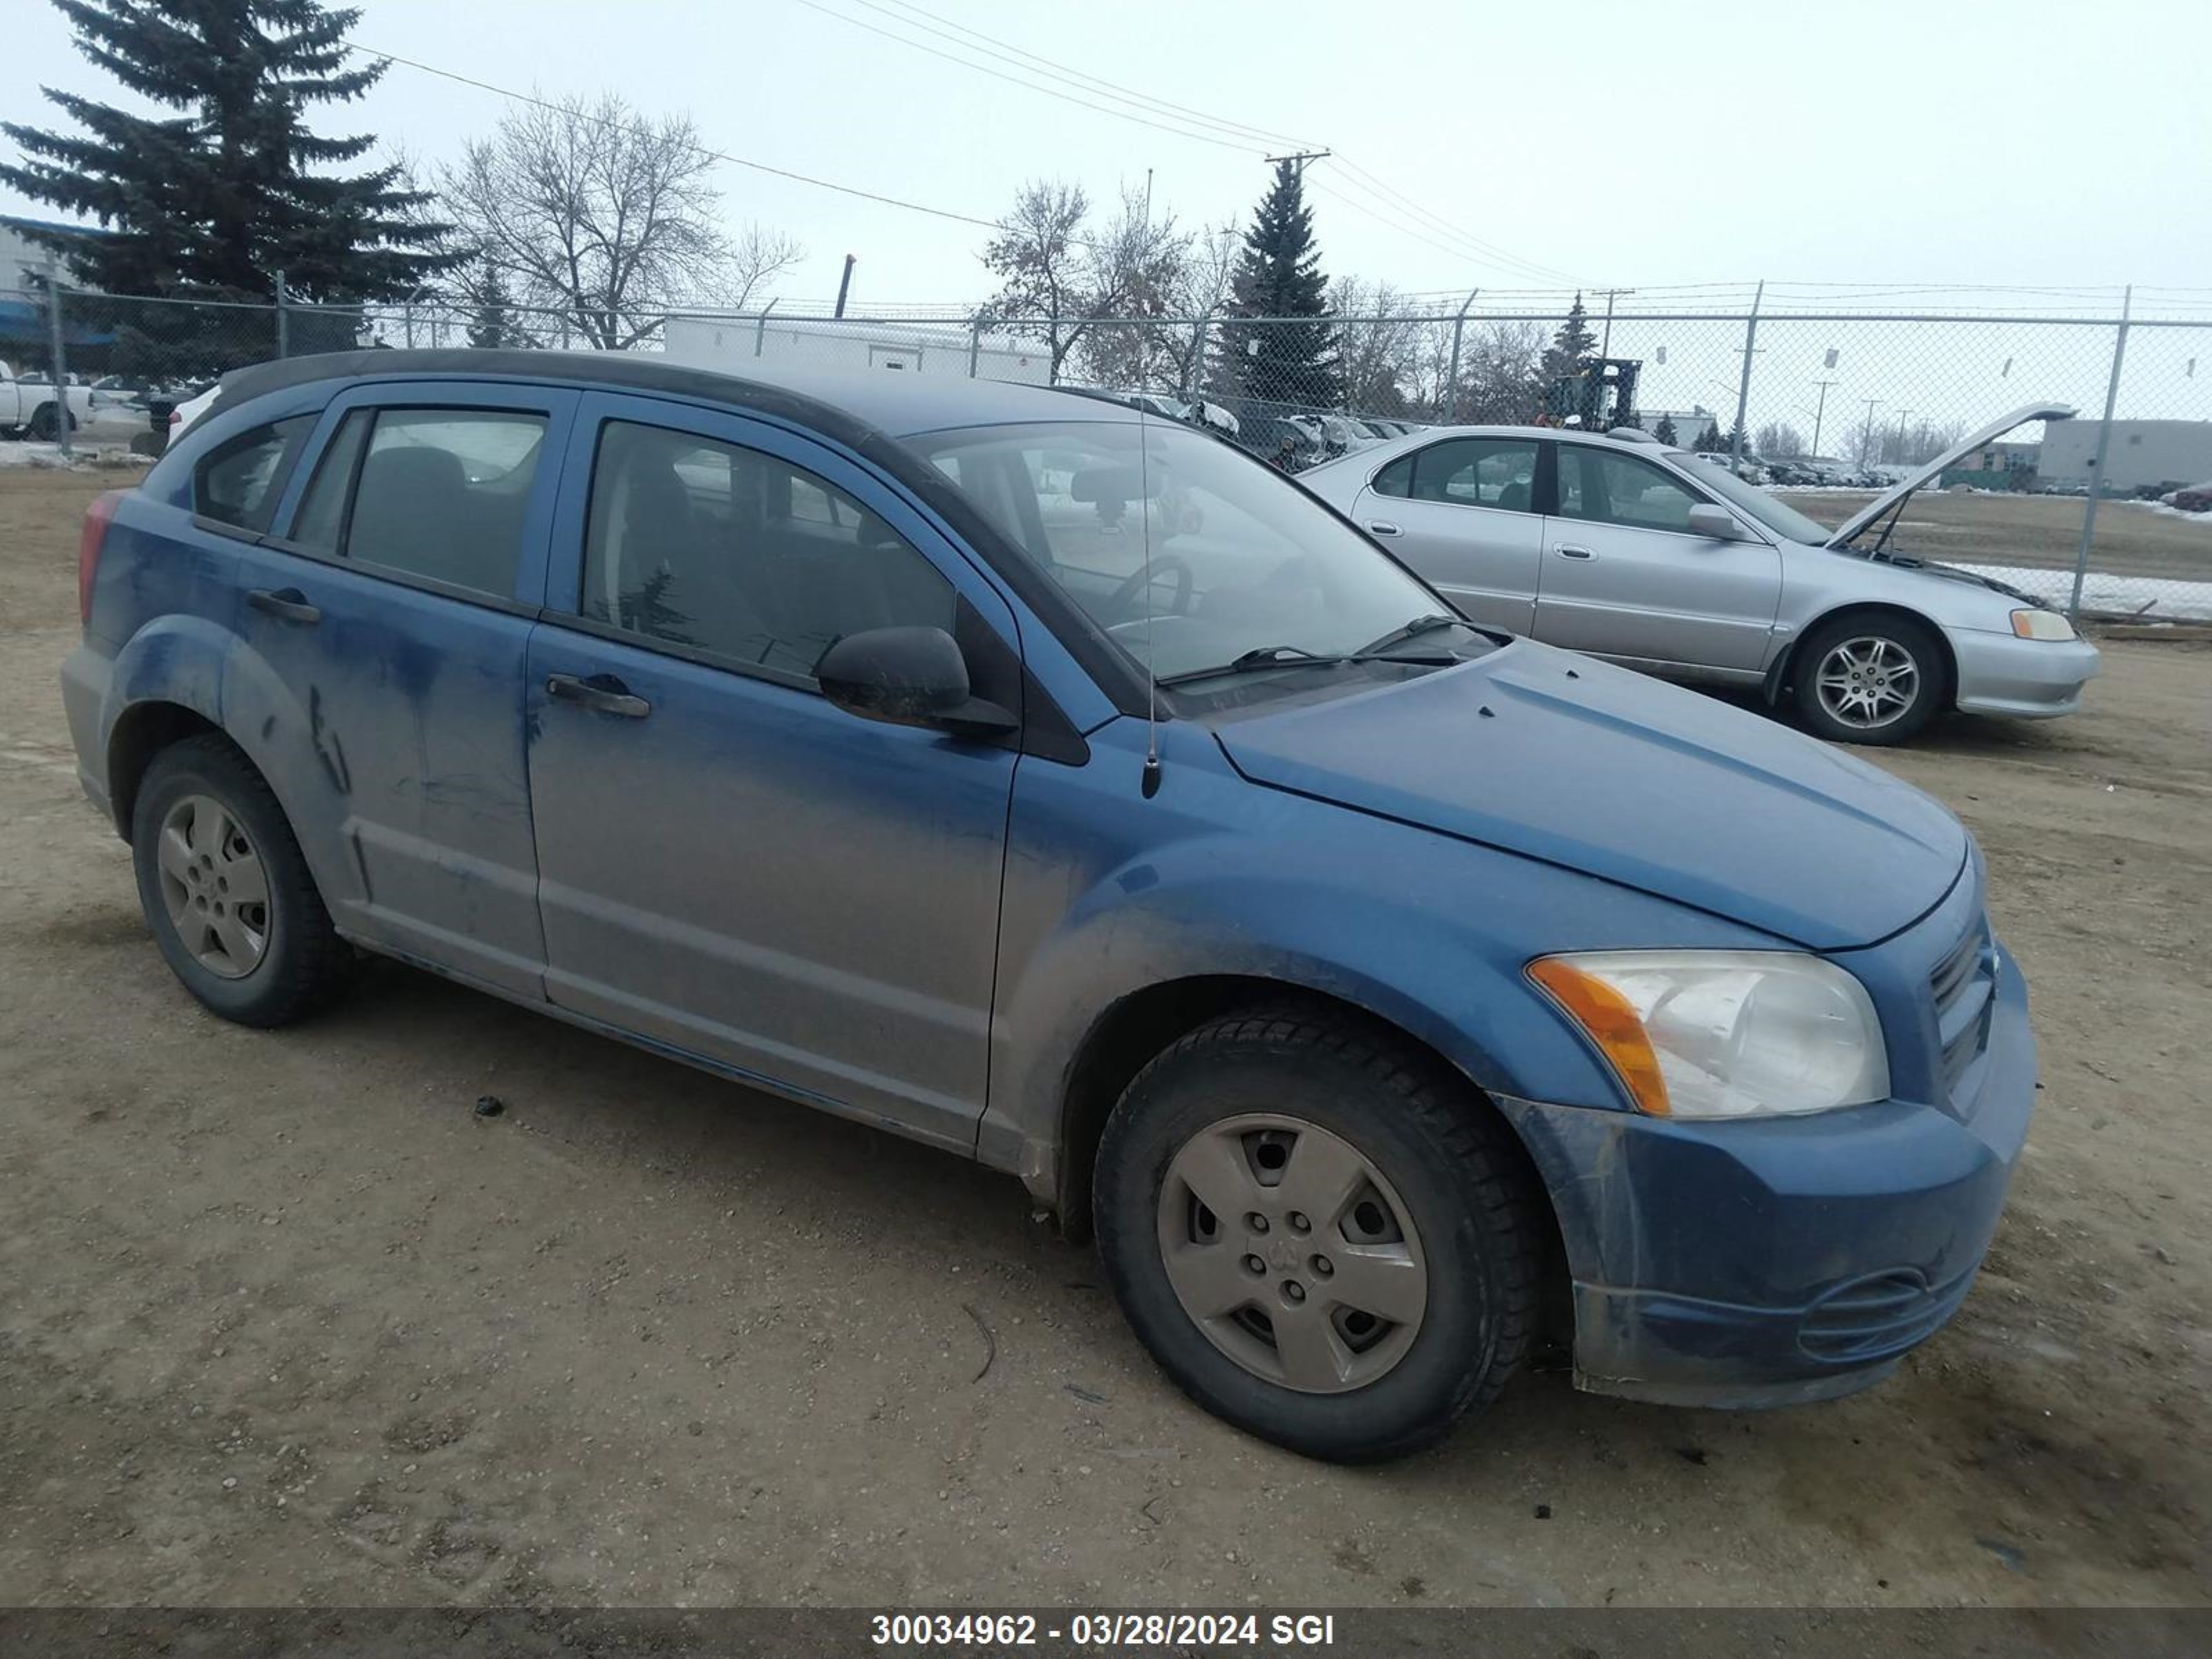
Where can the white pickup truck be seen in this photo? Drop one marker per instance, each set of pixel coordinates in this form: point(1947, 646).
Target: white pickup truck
point(27, 404)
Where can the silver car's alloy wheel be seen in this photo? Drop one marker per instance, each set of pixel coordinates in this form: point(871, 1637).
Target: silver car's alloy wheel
point(1867, 683)
point(213, 885)
point(1292, 1253)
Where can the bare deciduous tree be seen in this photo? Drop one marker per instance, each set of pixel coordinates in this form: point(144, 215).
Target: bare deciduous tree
point(587, 209)
point(1500, 380)
point(1064, 279)
point(1379, 345)
point(1042, 264)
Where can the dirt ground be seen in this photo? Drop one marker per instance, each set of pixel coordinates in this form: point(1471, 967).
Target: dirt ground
point(2042, 531)
point(282, 1321)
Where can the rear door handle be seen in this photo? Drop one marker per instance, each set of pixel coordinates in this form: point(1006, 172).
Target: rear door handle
point(1570, 550)
point(288, 603)
point(1383, 527)
point(602, 692)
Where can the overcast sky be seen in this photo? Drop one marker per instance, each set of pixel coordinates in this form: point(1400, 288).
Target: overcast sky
point(2030, 143)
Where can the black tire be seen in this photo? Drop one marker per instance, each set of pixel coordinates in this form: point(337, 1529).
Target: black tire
point(304, 963)
point(1453, 1165)
point(45, 425)
point(1916, 641)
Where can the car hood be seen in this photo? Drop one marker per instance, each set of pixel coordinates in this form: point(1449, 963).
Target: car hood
point(1597, 769)
point(1897, 494)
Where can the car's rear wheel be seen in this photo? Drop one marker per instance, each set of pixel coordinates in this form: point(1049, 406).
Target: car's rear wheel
point(45, 423)
point(1317, 1235)
point(1870, 679)
point(226, 890)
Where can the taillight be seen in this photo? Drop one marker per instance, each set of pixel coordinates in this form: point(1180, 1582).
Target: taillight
point(97, 518)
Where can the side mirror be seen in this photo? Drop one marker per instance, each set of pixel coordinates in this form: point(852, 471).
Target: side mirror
point(1715, 524)
point(907, 676)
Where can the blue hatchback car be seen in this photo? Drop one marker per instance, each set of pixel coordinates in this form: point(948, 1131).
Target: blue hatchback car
point(1393, 996)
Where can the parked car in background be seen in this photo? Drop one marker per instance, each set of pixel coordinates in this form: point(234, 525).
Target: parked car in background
point(29, 407)
point(2191, 498)
point(1070, 791)
point(1666, 562)
point(189, 403)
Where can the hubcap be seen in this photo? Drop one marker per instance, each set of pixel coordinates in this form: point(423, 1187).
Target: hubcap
point(1292, 1253)
point(214, 887)
point(1868, 683)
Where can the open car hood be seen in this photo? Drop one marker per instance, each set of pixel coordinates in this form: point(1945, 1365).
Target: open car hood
point(1893, 498)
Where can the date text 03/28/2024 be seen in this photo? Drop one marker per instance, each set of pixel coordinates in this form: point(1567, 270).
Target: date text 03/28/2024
point(1104, 1629)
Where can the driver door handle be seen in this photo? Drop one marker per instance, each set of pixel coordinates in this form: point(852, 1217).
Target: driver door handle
point(1574, 550)
point(602, 692)
point(1383, 527)
point(288, 603)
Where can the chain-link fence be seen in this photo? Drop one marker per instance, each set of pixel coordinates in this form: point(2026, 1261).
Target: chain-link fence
point(1824, 407)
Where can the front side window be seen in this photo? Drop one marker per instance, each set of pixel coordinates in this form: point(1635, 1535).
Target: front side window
point(726, 549)
point(1602, 487)
point(240, 481)
point(1187, 553)
point(437, 493)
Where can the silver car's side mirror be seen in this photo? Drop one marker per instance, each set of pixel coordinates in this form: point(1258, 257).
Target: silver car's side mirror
point(1715, 523)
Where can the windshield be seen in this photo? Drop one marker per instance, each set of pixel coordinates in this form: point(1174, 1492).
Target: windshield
point(1241, 560)
point(1782, 519)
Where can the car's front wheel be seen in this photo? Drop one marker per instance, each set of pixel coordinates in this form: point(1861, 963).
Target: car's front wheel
point(1317, 1235)
point(1870, 679)
point(226, 889)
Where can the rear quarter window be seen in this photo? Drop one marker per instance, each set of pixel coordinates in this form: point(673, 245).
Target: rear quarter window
point(239, 481)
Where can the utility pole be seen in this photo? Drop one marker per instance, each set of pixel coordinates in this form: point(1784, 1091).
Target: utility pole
point(1605, 340)
point(1743, 386)
point(2104, 453)
point(1819, 409)
point(1901, 414)
point(57, 371)
point(845, 282)
point(1866, 432)
point(1299, 160)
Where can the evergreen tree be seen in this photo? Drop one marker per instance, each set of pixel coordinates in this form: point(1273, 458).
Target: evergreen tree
point(1277, 277)
point(214, 201)
point(1573, 349)
point(492, 326)
point(1665, 431)
point(1710, 439)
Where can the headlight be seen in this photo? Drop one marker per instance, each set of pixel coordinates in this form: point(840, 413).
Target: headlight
point(2041, 625)
point(1724, 1034)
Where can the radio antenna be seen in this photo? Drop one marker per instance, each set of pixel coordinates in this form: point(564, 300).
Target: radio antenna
point(1152, 774)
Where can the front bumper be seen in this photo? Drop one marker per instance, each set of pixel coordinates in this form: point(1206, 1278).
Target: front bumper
point(2028, 679)
point(1781, 1259)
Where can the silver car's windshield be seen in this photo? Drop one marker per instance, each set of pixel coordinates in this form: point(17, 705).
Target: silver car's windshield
point(1783, 520)
point(1240, 560)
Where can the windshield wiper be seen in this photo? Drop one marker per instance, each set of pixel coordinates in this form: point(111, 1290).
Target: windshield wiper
point(1296, 656)
point(1399, 635)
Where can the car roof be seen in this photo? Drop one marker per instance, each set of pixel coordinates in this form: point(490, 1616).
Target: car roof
point(1382, 454)
point(838, 401)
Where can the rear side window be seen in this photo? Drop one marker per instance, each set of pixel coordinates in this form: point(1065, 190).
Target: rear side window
point(1499, 473)
point(726, 549)
point(435, 493)
point(1397, 478)
point(239, 480)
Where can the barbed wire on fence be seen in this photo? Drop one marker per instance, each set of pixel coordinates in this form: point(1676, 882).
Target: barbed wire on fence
point(1830, 391)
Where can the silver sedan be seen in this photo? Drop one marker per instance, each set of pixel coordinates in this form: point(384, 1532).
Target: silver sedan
point(1626, 549)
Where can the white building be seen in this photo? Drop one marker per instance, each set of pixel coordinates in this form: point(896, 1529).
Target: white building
point(2143, 452)
point(729, 343)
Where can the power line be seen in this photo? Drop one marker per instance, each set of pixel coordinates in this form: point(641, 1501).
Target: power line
point(1366, 183)
point(703, 149)
point(1076, 77)
point(1014, 80)
point(1493, 254)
